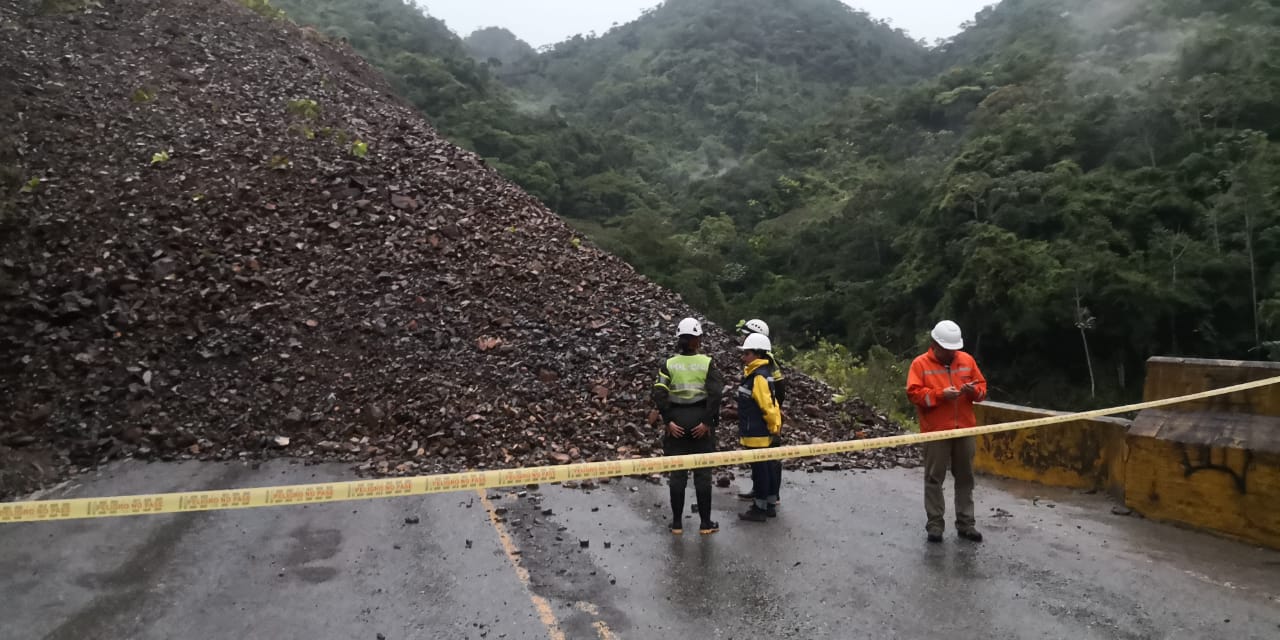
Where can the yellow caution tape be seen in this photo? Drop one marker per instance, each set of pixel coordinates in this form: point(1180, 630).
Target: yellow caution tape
point(41, 510)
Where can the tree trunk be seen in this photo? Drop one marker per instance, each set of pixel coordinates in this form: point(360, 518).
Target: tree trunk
point(1093, 388)
point(1253, 279)
point(1088, 361)
point(1173, 313)
point(1173, 282)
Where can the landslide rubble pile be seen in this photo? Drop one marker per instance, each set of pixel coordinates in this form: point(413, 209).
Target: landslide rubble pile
point(224, 238)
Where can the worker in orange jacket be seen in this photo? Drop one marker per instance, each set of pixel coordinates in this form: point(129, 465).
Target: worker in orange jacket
point(943, 384)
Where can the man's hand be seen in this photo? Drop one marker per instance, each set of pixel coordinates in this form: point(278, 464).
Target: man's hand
point(969, 390)
point(950, 393)
point(675, 430)
point(701, 430)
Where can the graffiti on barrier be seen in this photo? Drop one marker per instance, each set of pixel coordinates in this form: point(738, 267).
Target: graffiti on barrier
point(1229, 460)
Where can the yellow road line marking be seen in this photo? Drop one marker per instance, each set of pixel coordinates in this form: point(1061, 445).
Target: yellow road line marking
point(603, 631)
point(545, 614)
point(602, 627)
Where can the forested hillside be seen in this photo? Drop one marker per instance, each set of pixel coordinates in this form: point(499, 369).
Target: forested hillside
point(1097, 173)
point(1080, 183)
point(492, 44)
point(705, 81)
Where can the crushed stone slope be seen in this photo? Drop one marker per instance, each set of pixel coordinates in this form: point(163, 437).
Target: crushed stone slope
point(240, 237)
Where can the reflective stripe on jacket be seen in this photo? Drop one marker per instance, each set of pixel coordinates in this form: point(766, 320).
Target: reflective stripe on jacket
point(759, 418)
point(685, 377)
point(779, 383)
point(695, 405)
point(928, 378)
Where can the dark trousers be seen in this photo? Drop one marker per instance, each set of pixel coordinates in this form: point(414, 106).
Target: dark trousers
point(766, 481)
point(680, 479)
point(777, 488)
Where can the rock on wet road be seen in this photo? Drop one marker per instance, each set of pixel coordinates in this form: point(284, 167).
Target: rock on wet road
point(846, 558)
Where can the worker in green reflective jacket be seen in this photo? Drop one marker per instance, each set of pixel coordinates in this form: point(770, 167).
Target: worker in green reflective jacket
point(688, 392)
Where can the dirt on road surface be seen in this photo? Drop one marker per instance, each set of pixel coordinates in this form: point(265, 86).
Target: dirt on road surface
point(846, 559)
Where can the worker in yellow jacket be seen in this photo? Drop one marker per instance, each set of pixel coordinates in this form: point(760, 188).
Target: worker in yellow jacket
point(759, 425)
point(746, 328)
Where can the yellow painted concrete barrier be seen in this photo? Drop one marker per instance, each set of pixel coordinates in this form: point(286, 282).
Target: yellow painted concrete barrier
point(1081, 454)
point(1211, 463)
point(1217, 471)
point(1173, 377)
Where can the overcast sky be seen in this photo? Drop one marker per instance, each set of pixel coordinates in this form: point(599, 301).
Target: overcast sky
point(541, 22)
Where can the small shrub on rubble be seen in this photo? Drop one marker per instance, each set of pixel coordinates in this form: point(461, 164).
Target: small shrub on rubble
point(304, 108)
point(303, 131)
point(264, 9)
point(880, 378)
point(142, 95)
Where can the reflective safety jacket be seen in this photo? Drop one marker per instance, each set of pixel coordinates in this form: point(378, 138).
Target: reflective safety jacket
point(927, 380)
point(688, 391)
point(759, 418)
point(779, 383)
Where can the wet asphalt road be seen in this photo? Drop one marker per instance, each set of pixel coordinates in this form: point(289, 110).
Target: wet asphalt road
point(846, 559)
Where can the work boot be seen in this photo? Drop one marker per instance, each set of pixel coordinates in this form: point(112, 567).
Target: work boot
point(971, 535)
point(754, 514)
point(748, 496)
point(708, 528)
point(935, 536)
point(772, 511)
point(677, 527)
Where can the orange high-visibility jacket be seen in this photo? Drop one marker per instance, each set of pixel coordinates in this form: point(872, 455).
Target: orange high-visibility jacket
point(926, 381)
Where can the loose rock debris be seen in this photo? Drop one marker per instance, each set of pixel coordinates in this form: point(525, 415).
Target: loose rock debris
point(204, 272)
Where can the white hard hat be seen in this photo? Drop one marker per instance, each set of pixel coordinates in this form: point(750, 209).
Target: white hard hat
point(754, 326)
point(689, 327)
point(947, 335)
point(757, 342)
